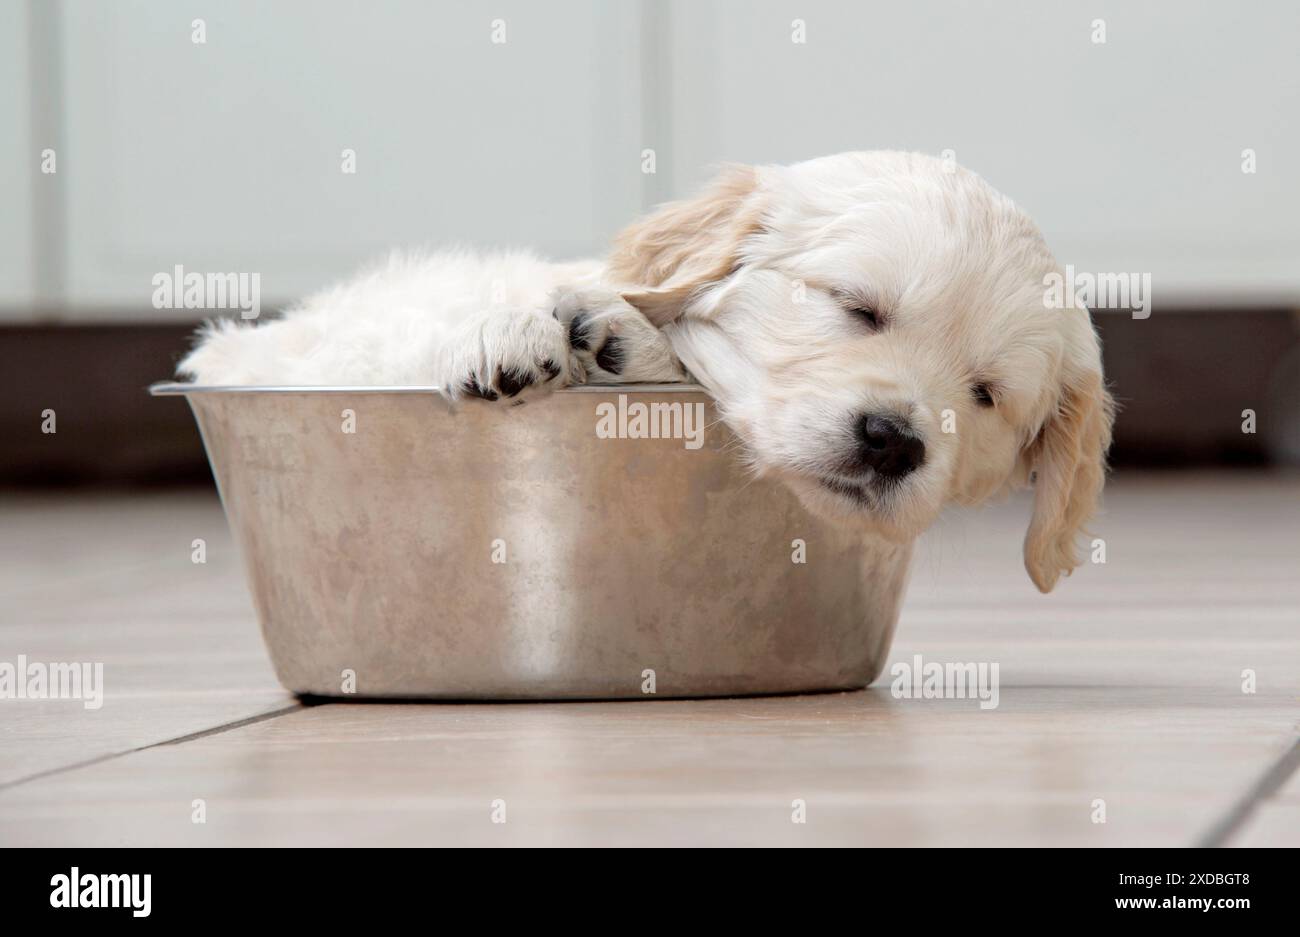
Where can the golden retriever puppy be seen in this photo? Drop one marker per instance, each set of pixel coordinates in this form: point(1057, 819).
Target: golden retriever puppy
point(875, 327)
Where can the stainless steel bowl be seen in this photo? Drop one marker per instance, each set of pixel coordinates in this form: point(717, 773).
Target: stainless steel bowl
point(485, 551)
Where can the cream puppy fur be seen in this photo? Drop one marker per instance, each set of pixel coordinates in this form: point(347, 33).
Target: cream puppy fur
point(873, 327)
point(469, 323)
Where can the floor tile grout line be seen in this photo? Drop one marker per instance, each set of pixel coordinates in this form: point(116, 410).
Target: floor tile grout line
point(178, 740)
point(1268, 785)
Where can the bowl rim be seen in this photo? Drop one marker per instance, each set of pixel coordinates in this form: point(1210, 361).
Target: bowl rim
point(184, 389)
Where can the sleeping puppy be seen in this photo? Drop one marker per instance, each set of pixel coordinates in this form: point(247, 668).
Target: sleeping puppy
point(873, 327)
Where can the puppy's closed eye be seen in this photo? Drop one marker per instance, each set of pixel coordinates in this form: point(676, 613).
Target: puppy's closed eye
point(864, 312)
point(861, 307)
point(983, 394)
point(867, 315)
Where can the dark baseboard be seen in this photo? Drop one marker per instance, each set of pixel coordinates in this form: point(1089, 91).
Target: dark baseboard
point(109, 430)
point(1182, 379)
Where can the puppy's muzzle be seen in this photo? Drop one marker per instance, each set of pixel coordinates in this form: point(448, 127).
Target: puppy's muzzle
point(888, 445)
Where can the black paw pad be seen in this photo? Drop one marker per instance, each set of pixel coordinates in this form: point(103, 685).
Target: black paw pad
point(610, 356)
point(578, 333)
point(472, 388)
point(512, 382)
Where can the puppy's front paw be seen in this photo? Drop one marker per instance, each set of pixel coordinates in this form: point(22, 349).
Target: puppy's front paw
point(614, 342)
point(509, 355)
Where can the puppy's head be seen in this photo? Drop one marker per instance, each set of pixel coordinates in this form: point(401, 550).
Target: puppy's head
point(874, 328)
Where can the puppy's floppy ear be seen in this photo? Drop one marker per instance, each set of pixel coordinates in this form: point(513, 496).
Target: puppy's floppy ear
point(683, 246)
point(1069, 457)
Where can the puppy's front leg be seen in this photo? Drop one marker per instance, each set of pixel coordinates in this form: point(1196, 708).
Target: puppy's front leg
point(615, 343)
point(507, 354)
point(589, 335)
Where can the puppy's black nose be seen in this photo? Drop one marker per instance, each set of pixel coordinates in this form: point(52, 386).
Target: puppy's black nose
point(886, 444)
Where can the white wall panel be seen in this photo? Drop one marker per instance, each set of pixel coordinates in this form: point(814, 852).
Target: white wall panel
point(19, 171)
point(226, 156)
point(1128, 153)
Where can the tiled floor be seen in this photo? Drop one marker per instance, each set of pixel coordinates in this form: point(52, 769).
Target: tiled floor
point(1125, 686)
